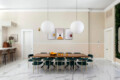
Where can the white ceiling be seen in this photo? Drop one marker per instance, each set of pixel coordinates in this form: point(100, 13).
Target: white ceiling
point(54, 4)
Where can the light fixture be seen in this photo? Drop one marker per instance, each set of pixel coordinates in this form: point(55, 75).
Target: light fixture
point(47, 26)
point(77, 26)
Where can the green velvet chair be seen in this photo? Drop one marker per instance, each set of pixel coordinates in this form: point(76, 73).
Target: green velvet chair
point(77, 53)
point(59, 61)
point(90, 59)
point(48, 62)
point(36, 62)
point(82, 62)
point(30, 58)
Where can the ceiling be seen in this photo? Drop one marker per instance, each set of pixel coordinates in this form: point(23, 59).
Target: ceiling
point(54, 4)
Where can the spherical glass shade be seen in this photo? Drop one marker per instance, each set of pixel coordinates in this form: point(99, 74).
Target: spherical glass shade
point(47, 27)
point(77, 27)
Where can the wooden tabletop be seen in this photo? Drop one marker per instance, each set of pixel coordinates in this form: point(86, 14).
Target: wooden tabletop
point(64, 55)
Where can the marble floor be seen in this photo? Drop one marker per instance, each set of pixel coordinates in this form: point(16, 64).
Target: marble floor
point(101, 70)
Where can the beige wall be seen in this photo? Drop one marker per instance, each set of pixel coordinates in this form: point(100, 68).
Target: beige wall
point(33, 20)
point(110, 20)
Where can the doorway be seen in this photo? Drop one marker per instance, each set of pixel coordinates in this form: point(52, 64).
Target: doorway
point(109, 44)
point(27, 42)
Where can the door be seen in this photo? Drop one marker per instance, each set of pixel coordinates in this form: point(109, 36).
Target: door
point(27, 43)
point(108, 44)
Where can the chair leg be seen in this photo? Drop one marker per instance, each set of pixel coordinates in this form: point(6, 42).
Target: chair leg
point(33, 69)
point(86, 67)
point(38, 68)
point(28, 64)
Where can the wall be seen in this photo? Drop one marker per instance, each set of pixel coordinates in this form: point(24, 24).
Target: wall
point(110, 18)
point(33, 20)
point(110, 22)
point(4, 34)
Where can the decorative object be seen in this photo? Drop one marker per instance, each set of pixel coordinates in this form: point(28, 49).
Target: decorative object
point(59, 33)
point(47, 26)
point(15, 37)
point(39, 29)
point(68, 34)
point(6, 44)
point(53, 54)
point(117, 26)
point(11, 40)
point(77, 26)
point(52, 36)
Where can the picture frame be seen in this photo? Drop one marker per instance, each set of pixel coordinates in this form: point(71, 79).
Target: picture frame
point(68, 34)
point(60, 33)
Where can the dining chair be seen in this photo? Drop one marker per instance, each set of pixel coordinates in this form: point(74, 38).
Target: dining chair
point(14, 53)
point(36, 63)
point(90, 59)
point(68, 62)
point(77, 53)
point(82, 62)
point(49, 62)
point(44, 59)
point(30, 59)
point(60, 61)
point(5, 56)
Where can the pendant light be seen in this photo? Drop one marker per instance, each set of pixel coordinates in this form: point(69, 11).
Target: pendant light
point(77, 26)
point(47, 26)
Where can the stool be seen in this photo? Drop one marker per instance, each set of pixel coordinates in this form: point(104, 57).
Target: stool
point(0, 57)
point(4, 54)
point(13, 54)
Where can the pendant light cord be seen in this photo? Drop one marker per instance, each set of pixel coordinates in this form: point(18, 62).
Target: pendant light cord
point(89, 31)
point(47, 10)
point(76, 9)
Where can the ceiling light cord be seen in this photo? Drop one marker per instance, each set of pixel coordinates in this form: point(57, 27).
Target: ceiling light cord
point(76, 10)
point(89, 17)
point(47, 10)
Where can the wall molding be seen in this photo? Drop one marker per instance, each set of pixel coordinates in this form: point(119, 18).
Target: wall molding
point(70, 43)
point(51, 10)
point(111, 5)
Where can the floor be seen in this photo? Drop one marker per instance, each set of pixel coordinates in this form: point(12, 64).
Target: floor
point(101, 70)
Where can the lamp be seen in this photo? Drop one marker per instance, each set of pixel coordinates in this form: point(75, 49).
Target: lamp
point(77, 26)
point(47, 26)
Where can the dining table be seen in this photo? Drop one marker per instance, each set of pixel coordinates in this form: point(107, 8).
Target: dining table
point(38, 55)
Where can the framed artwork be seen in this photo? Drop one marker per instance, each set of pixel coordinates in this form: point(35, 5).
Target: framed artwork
point(68, 34)
point(52, 36)
point(15, 36)
point(59, 33)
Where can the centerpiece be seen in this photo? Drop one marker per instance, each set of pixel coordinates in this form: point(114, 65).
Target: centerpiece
point(53, 54)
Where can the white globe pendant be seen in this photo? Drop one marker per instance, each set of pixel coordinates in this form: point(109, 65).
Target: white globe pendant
point(47, 27)
point(77, 27)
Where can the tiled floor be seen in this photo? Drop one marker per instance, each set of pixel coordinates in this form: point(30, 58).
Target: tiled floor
point(101, 70)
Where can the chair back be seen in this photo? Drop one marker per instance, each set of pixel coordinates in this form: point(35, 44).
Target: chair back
point(43, 53)
point(77, 53)
point(60, 52)
point(68, 52)
point(30, 55)
point(90, 55)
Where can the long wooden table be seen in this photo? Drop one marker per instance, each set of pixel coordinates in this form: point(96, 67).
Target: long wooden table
point(64, 55)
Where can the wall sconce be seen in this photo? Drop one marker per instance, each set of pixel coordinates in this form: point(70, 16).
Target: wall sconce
point(39, 29)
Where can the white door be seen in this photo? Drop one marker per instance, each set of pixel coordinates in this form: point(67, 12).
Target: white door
point(108, 44)
point(27, 43)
